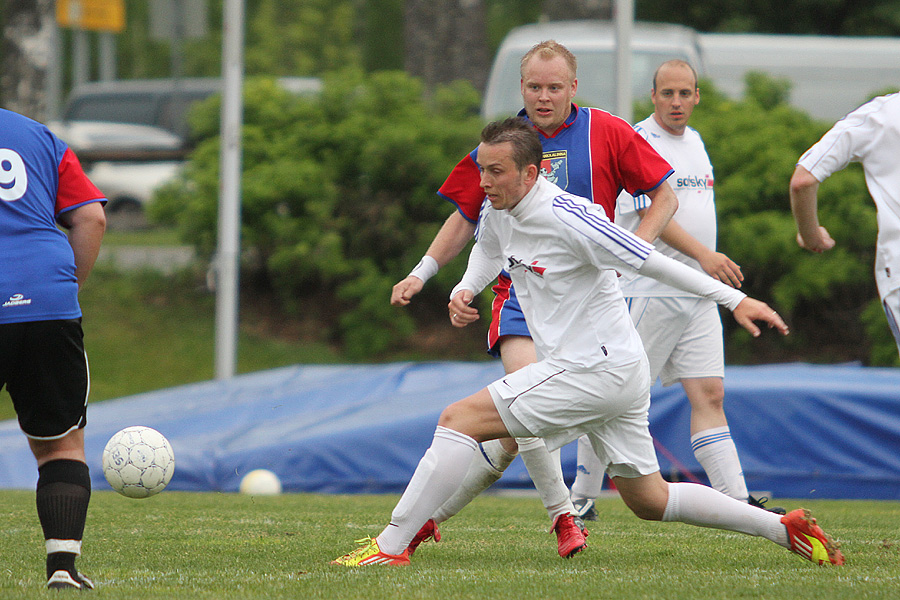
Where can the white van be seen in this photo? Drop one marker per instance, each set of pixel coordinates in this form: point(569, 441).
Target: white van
point(594, 45)
point(830, 76)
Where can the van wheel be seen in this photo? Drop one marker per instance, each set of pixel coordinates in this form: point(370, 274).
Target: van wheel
point(126, 215)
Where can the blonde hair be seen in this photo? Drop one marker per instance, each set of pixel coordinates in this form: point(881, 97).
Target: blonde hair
point(547, 50)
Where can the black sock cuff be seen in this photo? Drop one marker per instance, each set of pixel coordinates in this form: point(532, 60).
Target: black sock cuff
point(74, 472)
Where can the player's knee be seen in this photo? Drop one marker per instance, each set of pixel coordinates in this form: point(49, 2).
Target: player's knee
point(453, 416)
point(647, 511)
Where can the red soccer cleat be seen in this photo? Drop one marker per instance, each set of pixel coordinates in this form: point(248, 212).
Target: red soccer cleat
point(809, 541)
point(569, 536)
point(429, 531)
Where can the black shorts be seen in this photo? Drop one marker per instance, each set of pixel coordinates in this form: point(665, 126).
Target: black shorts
point(45, 370)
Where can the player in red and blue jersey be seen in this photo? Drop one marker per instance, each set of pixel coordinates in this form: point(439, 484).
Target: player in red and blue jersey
point(587, 152)
point(42, 360)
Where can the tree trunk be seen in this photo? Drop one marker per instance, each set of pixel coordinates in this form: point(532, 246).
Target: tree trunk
point(446, 40)
point(27, 31)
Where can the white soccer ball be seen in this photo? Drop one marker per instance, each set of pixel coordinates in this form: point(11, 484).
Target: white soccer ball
point(138, 462)
point(261, 482)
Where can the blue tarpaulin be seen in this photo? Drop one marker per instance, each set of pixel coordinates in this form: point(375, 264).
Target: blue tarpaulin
point(802, 431)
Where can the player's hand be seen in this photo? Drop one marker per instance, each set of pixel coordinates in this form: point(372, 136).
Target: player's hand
point(405, 290)
point(461, 314)
point(750, 310)
point(724, 269)
point(817, 244)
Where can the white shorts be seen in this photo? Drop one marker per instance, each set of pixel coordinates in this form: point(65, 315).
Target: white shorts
point(891, 305)
point(682, 337)
point(610, 407)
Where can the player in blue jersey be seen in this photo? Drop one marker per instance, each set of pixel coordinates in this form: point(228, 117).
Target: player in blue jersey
point(42, 360)
point(588, 152)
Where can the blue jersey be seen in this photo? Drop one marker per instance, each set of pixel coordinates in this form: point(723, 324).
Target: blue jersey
point(40, 179)
point(593, 154)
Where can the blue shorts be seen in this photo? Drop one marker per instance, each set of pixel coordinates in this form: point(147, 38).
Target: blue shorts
point(506, 315)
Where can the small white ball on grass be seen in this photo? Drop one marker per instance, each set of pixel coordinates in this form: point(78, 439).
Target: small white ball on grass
point(261, 482)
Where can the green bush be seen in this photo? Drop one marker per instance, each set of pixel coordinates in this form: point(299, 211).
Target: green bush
point(338, 201)
point(338, 195)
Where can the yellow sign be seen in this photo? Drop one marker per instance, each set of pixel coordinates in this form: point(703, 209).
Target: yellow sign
point(95, 15)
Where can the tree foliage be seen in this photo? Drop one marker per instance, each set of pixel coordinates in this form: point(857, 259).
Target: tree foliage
point(338, 195)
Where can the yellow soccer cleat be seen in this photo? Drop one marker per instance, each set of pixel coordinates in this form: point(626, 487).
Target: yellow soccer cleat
point(809, 541)
point(369, 553)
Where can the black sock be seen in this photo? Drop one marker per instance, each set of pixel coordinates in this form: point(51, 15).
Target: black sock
point(63, 494)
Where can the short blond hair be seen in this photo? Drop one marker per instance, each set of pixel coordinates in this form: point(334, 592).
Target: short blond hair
point(547, 50)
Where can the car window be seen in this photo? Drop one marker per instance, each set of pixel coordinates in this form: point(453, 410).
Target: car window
point(125, 108)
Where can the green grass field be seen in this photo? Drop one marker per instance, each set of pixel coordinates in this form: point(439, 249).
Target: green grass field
point(209, 545)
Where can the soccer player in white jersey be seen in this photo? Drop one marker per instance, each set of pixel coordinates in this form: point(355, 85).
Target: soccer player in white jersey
point(682, 333)
point(869, 135)
point(592, 376)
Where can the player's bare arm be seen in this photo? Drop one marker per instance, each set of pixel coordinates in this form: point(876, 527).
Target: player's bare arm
point(664, 204)
point(453, 236)
point(804, 206)
point(86, 225)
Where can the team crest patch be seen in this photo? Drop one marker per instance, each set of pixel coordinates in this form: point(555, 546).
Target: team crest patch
point(555, 168)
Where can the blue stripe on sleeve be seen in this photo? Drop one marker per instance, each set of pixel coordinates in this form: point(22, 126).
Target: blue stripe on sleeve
point(598, 226)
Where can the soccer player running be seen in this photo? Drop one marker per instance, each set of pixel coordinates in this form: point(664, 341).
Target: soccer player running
point(869, 135)
point(42, 358)
point(592, 376)
point(588, 152)
point(682, 334)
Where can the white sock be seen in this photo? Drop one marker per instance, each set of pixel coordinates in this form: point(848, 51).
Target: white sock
point(546, 473)
point(717, 454)
point(703, 506)
point(486, 467)
point(438, 475)
point(589, 474)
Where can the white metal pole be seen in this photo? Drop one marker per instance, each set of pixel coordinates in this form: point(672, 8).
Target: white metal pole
point(107, 56)
point(54, 72)
point(229, 241)
point(624, 21)
point(82, 56)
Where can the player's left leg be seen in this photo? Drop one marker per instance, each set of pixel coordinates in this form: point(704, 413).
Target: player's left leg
point(62, 498)
point(588, 480)
point(711, 437)
point(650, 497)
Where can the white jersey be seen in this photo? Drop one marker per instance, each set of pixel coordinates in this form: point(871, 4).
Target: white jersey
point(562, 254)
point(693, 186)
point(869, 135)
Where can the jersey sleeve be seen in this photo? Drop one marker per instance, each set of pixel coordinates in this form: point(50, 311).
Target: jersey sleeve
point(640, 167)
point(844, 143)
point(608, 245)
point(75, 189)
point(463, 187)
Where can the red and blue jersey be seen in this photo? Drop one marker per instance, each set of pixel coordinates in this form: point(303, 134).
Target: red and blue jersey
point(593, 154)
point(40, 179)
